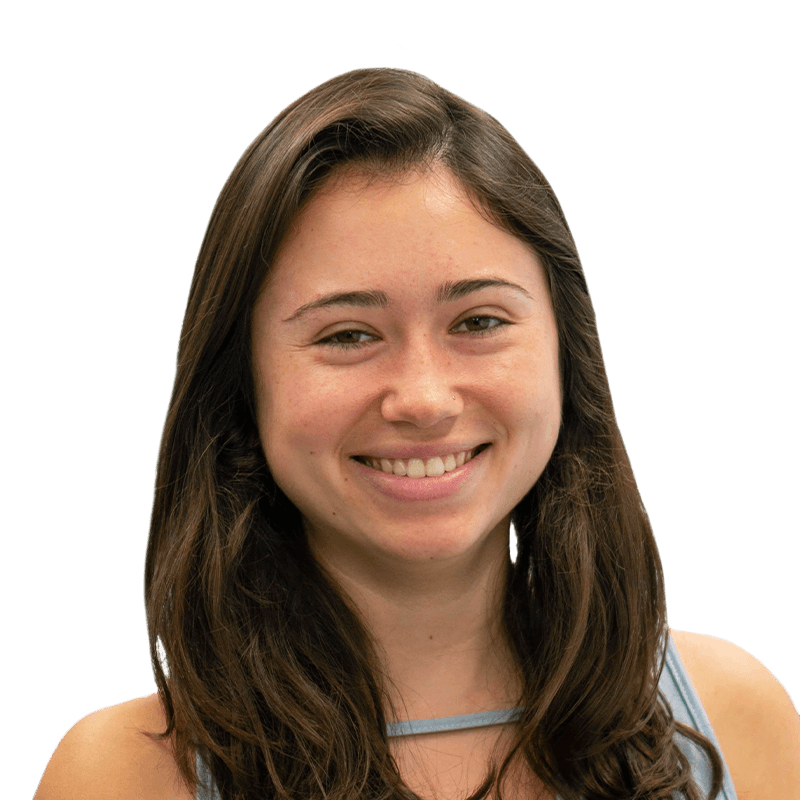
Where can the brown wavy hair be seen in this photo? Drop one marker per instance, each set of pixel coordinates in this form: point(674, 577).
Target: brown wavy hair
point(263, 666)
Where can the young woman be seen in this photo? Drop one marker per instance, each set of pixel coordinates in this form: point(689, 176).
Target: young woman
point(389, 355)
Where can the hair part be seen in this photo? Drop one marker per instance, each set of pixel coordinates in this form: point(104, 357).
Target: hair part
point(273, 678)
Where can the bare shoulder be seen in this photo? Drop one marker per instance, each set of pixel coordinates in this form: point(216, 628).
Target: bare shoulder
point(757, 726)
point(107, 755)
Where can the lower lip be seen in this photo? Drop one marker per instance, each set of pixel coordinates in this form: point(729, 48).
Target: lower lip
point(399, 487)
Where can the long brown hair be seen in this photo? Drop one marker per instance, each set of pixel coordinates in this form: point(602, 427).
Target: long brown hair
point(262, 665)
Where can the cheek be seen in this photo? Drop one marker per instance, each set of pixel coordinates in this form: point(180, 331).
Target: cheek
point(530, 405)
point(300, 415)
point(528, 387)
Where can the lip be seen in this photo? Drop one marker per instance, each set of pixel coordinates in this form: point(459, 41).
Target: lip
point(399, 487)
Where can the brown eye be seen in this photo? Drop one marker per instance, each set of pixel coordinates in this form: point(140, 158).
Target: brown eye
point(479, 324)
point(347, 339)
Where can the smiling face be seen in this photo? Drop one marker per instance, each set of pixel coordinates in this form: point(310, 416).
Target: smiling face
point(405, 358)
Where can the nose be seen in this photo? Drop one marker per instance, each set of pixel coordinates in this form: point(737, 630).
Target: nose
point(421, 389)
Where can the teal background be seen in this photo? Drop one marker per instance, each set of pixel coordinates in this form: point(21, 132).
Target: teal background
point(669, 134)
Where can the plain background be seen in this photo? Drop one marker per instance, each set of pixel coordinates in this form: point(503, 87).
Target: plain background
point(669, 133)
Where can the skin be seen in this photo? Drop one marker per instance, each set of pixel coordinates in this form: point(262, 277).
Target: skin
point(418, 375)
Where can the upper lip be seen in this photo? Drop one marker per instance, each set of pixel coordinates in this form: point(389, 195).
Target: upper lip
point(406, 451)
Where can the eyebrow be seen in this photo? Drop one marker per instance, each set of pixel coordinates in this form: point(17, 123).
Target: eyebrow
point(446, 293)
point(455, 290)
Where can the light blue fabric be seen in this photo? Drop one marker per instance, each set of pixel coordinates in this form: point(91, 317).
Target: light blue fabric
point(687, 708)
point(674, 683)
point(412, 727)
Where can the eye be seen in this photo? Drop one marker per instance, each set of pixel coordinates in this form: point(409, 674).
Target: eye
point(479, 323)
point(347, 339)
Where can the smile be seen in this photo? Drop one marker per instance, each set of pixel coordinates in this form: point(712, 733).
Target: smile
point(421, 467)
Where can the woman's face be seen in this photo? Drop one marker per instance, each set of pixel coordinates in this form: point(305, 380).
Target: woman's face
point(405, 358)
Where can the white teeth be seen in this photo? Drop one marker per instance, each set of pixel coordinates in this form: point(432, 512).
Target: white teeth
point(434, 467)
point(420, 468)
point(416, 468)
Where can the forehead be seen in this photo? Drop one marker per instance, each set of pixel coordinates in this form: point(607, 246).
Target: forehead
point(363, 222)
point(355, 206)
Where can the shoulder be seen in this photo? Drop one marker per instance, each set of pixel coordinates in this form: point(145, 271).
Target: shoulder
point(757, 726)
point(108, 755)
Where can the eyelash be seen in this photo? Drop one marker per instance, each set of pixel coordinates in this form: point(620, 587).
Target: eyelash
point(329, 341)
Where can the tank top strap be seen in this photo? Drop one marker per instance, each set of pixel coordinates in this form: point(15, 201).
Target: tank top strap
point(682, 697)
point(206, 790)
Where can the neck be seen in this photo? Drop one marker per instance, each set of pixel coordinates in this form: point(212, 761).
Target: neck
point(438, 628)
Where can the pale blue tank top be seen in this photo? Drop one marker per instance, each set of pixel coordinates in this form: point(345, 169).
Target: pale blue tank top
point(674, 683)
